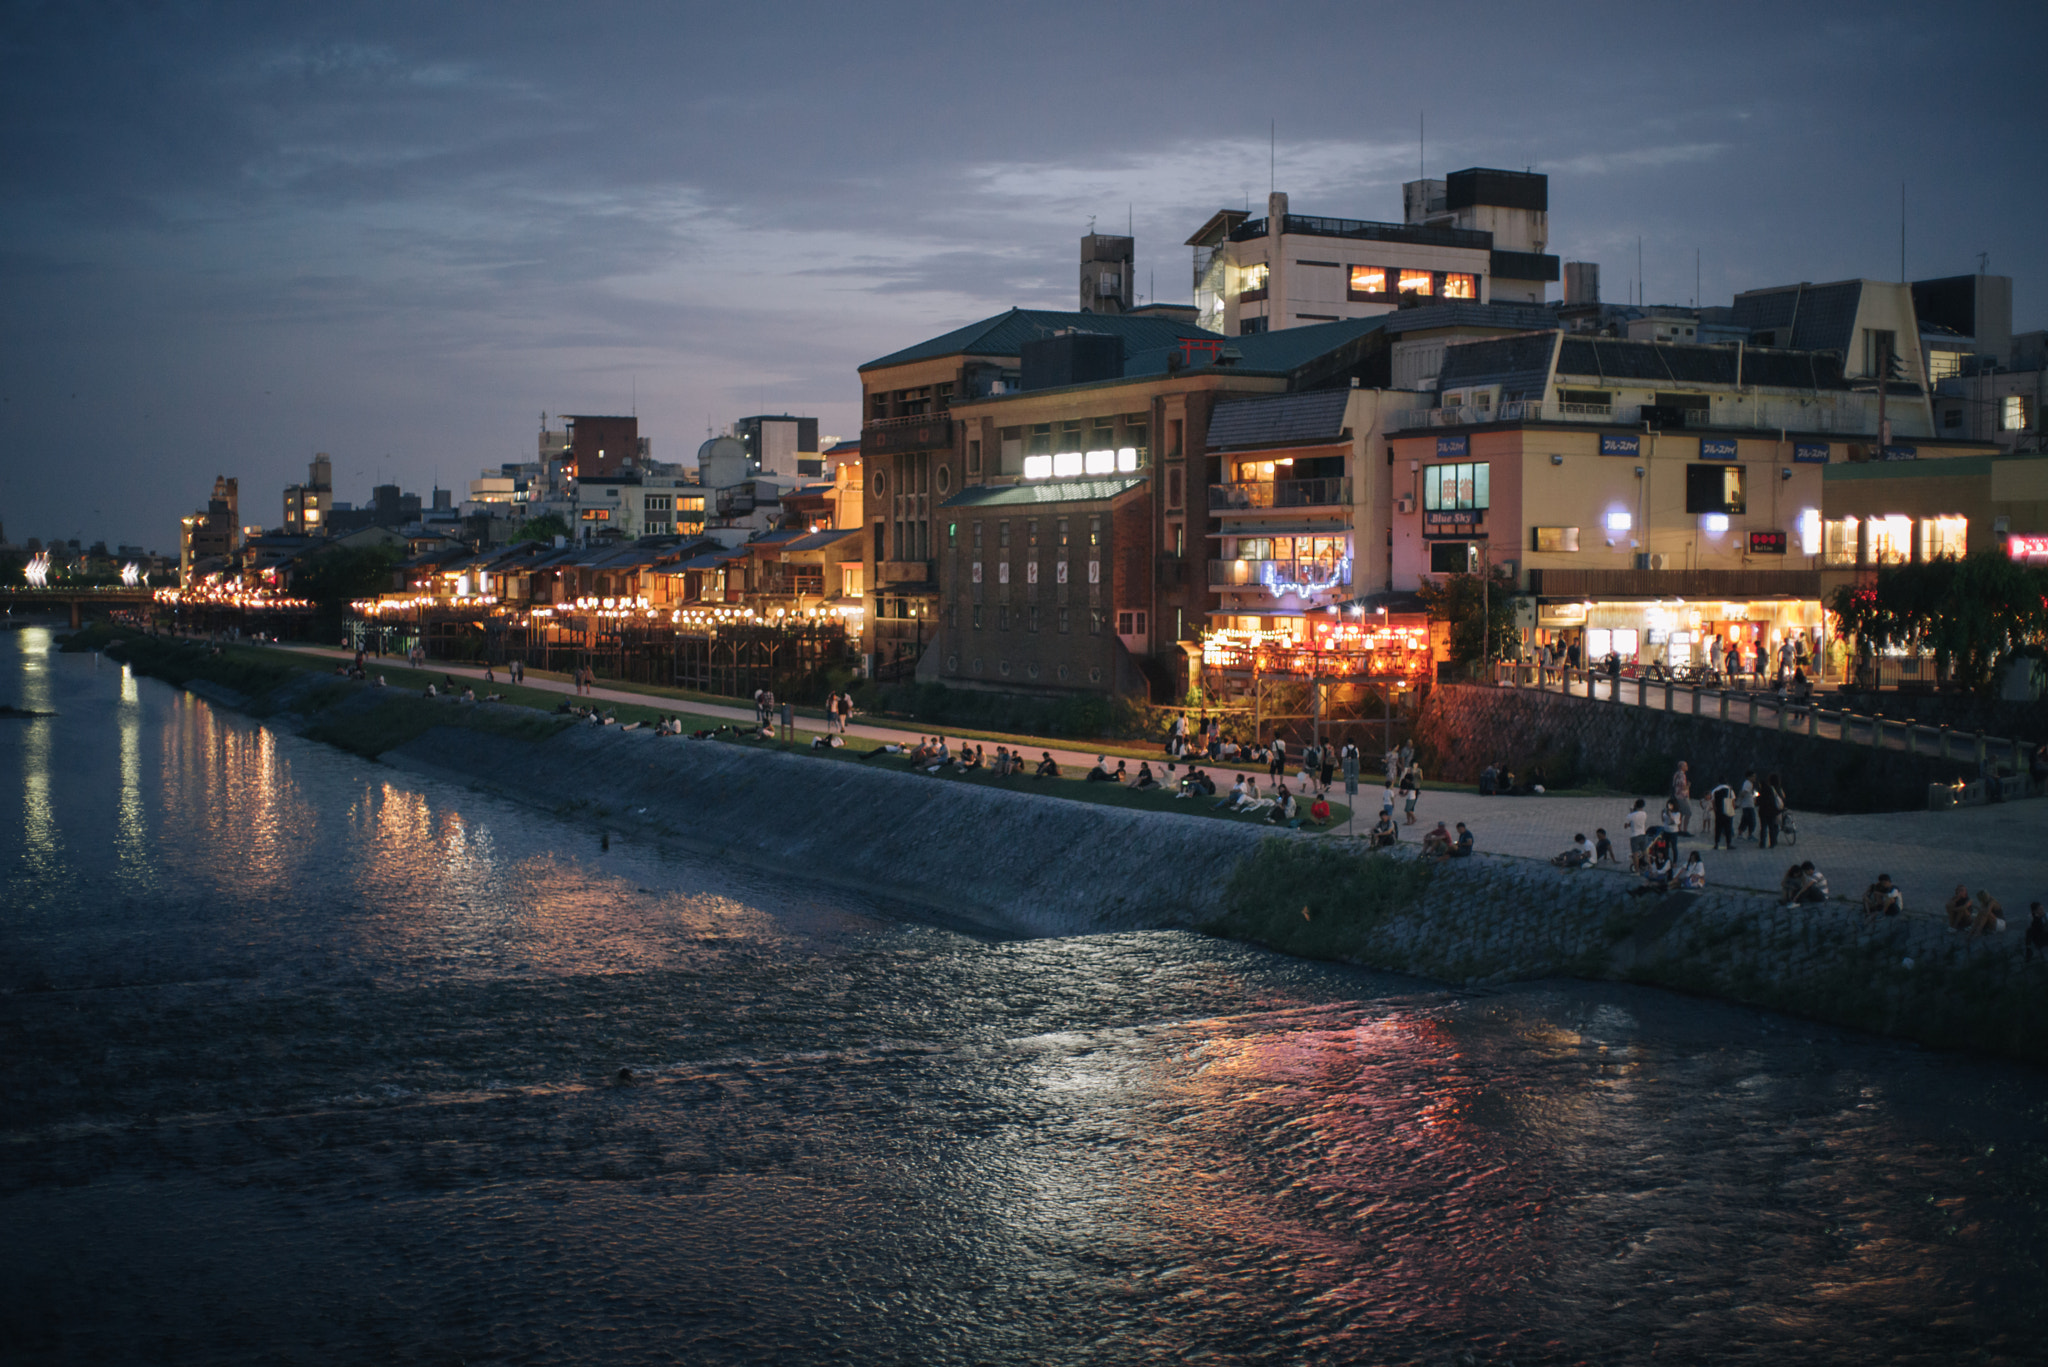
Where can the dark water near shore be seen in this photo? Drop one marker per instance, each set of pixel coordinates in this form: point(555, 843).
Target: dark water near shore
point(307, 1060)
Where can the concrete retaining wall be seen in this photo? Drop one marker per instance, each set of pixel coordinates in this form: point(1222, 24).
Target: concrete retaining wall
point(1462, 728)
point(1028, 862)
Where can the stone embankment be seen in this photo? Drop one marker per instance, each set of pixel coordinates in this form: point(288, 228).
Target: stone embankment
point(1463, 728)
point(1030, 864)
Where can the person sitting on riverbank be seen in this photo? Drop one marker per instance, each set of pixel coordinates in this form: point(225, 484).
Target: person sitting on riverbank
point(1384, 833)
point(1144, 782)
point(1001, 768)
point(1882, 898)
point(1281, 806)
point(1659, 871)
point(1100, 773)
point(1319, 810)
point(1233, 798)
point(1810, 887)
point(1956, 911)
point(378, 682)
point(1047, 767)
point(1990, 916)
point(1577, 855)
point(1437, 843)
point(970, 759)
point(1693, 877)
point(1196, 784)
point(1603, 848)
point(432, 692)
point(941, 756)
point(1461, 848)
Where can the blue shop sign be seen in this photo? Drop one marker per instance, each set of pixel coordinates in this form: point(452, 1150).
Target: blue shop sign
point(1810, 453)
point(1450, 446)
point(1717, 448)
point(1902, 453)
point(1616, 444)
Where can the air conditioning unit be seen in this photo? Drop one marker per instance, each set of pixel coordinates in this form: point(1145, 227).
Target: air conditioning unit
point(1405, 503)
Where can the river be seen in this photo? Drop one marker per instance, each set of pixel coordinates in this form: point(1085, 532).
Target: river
point(311, 1060)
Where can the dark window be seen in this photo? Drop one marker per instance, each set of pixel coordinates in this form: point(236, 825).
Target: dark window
point(1003, 617)
point(1031, 622)
point(1063, 621)
point(976, 618)
point(880, 553)
point(973, 457)
point(1003, 532)
point(1246, 327)
point(1450, 557)
point(1096, 617)
point(1713, 489)
point(1586, 398)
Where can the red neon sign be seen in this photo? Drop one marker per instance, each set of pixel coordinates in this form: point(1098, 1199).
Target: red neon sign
point(2027, 547)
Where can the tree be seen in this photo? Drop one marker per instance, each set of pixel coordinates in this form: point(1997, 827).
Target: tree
point(1481, 614)
point(1971, 613)
point(544, 529)
point(337, 577)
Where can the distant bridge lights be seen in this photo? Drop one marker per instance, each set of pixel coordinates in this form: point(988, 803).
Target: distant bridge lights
point(37, 571)
point(131, 575)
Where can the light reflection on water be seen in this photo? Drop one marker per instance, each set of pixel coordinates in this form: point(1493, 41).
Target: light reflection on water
point(319, 1033)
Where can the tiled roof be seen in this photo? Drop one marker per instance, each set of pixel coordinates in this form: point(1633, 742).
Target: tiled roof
point(818, 539)
point(1006, 333)
point(1044, 491)
point(1508, 317)
point(1283, 420)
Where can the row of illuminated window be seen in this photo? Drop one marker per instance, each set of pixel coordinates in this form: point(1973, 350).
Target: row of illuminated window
point(1456, 487)
point(1066, 464)
point(1028, 526)
point(1382, 284)
point(1319, 550)
point(1893, 539)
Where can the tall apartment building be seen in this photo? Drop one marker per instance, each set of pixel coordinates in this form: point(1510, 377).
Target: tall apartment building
point(306, 506)
point(1478, 235)
point(782, 446)
point(603, 445)
point(214, 533)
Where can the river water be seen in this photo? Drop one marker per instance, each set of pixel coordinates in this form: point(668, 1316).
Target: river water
point(309, 1060)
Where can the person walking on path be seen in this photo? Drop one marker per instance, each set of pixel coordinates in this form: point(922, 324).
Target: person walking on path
point(1276, 769)
point(1637, 823)
point(1745, 805)
point(1681, 797)
point(1770, 809)
point(1411, 792)
point(1350, 759)
point(1329, 766)
point(1722, 800)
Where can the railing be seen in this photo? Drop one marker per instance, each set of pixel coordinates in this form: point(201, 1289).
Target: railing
point(1366, 230)
point(908, 420)
point(1781, 713)
point(1282, 576)
point(1281, 493)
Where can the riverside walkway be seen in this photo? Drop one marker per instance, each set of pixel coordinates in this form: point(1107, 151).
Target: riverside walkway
point(2000, 847)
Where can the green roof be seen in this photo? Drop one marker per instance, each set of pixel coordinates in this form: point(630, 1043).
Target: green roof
point(1006, 333)
point(1044, 491)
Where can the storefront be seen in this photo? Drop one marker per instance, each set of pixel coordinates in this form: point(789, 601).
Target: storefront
point(1329, 643)
point(1679, 633)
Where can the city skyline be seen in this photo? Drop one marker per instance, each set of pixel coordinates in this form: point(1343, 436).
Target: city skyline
point(237, 238)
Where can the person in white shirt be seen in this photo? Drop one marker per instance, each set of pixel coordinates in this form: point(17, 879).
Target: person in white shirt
point(1638, 825)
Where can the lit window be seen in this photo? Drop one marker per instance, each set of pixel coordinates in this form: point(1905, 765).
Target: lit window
point(1127, 459)
point(1065, 463)
point(2012, 414)
point(1839, 541)
point(1418, 282)
point(1459, 286)
point(1943, 536)
point(1038, 467)
point(1256, 275)
point(1452, 488)
point(1891, 539)
point(1809, 531)
point(1944, 365)
point(1100, 462)
point(1368, 279)
point(1620, 522)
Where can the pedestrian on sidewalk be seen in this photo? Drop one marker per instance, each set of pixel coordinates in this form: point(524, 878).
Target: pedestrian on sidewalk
point(1276, 768)
point(1329, 767)
point(1681, 796)
point(1722, 800)
point(1770, 810)
point(1745, 805)
point(1411, 792)
point(1637, 823)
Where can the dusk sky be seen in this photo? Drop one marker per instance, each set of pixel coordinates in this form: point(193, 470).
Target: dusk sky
point(237, 235)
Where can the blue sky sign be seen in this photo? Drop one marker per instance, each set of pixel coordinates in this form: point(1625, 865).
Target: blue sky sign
point(1717, 448)
point(1450, 446)
point(1620, 444)
point(1810, 453)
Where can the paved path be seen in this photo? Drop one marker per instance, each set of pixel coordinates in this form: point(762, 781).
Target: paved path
point(2003, 847)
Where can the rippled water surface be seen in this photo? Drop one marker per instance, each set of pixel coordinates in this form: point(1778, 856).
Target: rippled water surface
point(308, 1060)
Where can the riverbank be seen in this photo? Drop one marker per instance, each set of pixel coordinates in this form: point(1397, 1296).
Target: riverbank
point(1019, 863)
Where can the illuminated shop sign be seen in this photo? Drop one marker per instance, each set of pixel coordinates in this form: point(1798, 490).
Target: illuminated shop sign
point(1072, 464)
point(2027, 547)
point(1810, 453)
point(1620, 444)
point(1451, 446)
point(1767, 543)
point(1717, 448)
point(1901, 453)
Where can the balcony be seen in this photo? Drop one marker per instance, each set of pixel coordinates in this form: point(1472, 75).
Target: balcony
point(918, 432)
point(1281, 576)
point(1282, 493)
point(1850, 414)
point(903, 572)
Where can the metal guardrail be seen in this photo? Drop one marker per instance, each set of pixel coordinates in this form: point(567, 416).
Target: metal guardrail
point(1281, 493)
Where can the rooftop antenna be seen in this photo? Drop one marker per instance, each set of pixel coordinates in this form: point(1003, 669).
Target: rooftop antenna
point(1902, 232)
point(635, 379)
point(1421, 145)
point(1639, 270)
point(1983, 263)
point(1272, 156)
point(1695, 277)
point(1091, 225)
